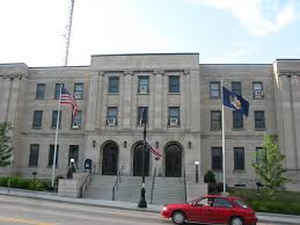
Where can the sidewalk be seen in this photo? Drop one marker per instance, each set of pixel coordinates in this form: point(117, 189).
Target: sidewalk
point(262, 217)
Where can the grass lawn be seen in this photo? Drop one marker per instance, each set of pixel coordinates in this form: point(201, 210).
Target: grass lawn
point(286, 202)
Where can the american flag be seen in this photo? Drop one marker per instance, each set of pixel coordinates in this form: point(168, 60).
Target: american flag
point(155, 152)
point(68, 99)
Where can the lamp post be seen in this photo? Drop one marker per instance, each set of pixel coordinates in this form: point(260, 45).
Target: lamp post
point(196, 171)
point(142, 202)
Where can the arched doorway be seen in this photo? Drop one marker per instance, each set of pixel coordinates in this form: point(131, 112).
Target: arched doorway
point(110, 159)
point(138, 160)
point(173, 157)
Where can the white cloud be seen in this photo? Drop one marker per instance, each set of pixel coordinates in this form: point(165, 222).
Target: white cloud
point(261, 17)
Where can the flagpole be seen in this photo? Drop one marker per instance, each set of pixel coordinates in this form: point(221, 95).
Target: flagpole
point(56, 139)
point(223, 140)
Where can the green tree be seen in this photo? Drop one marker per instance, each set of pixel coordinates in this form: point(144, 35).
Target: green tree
point(269, 167)
point(5, 144)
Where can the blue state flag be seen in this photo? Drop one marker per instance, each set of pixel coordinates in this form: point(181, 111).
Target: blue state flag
point(235, 101)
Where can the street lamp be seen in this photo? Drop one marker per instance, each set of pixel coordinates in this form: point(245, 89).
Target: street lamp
point(142, 202)
point(197, 171)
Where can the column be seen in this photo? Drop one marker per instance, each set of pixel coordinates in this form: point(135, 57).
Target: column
point(92, 103)
point(126, 100)
point(158, 98)
point(5, 91)
point(13, 100)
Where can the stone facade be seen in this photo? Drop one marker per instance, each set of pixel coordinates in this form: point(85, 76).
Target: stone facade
point(194, 136)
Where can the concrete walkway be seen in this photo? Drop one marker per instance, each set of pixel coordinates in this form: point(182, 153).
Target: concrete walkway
point(262, 217)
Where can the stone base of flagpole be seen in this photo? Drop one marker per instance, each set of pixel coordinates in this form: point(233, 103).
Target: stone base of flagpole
point(225, 194)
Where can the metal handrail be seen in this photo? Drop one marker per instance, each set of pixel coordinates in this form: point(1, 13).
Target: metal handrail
point(116, 185)
point(185, 188)
point(153, 184)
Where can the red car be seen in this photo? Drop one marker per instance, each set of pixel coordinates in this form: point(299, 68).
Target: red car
point(211, 209)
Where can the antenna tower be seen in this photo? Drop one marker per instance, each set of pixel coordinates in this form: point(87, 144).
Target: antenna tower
point(68, 32)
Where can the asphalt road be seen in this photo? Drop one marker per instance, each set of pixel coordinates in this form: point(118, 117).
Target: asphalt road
point(26, 211)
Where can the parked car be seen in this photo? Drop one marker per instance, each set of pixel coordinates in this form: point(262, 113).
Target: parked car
point(211, 209)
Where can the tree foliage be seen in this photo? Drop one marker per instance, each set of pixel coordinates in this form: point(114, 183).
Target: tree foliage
point(269, 167)
point(5, 145)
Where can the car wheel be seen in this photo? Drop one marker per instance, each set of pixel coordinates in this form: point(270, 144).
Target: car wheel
point(236, 221)
point(178, 218)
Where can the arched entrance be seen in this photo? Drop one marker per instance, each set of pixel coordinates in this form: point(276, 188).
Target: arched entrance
point(138, 160)
point(110, 159)
point(173, 157)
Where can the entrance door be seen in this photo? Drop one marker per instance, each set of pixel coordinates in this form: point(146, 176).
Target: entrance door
point(110, 159)
point(173, 161)
point(138, 161)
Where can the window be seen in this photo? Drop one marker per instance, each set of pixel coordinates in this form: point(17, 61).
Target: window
point(40, 91)
point(239, 158)
point(260, 154)
point(57, 89)
point(174, 116)
point(78, 90)
point(112, 116)
point(73, 154)
point(259, 117)
point(143, 84)
point(34, 155)
point(216, 158)
point(214, 89)
point(236, 87)
point(140, 115)
point(76, 121)
point(113, 84)
point(51, 155)
point(174, 84)
point(237, 120)
point(215, 120)
point(221, 202)
point(258, 90)
point(37, 119)
point(54, 119)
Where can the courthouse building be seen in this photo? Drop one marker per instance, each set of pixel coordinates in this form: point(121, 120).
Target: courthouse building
point(182, 99)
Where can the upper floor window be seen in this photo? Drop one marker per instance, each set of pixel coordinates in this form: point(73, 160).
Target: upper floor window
point(142, 112)
point(237, 120)
point(174, 85)
point(78, 90)
point(239, 158)
point(55, 117)
point(112, 116)
point(51, 155)
point(214, 89)
point(76, 121)
point(174, 117)
point(37, 119)
point(215, 120)
point(58, 86)
point(216, 158)
point(34, 155)
point(259, 117)
point(236, 87)
point(113, 84)
point(40, 91)
point(73, 154)
point(258, 90)
point(143, 84)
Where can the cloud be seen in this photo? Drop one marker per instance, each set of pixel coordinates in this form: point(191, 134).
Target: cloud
point(261, 17)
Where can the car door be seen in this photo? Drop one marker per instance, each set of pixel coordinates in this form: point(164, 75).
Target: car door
point(200, 211)
point(222, 211)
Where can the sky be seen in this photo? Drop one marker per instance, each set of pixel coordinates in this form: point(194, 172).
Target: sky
point(221, 31)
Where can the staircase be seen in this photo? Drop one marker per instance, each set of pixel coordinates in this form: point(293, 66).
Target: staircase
point(166, 190)
point(100, 187)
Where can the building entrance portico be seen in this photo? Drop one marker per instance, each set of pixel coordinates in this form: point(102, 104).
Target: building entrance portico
point(110, 158)
point(138, 160)
point(173, 160)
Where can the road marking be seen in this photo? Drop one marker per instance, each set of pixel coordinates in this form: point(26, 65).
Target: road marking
point(16, 220)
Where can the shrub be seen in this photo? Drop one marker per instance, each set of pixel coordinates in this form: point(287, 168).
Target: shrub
point(209, 177)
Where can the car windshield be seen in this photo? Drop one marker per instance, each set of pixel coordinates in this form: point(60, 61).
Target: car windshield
point(241, 203)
